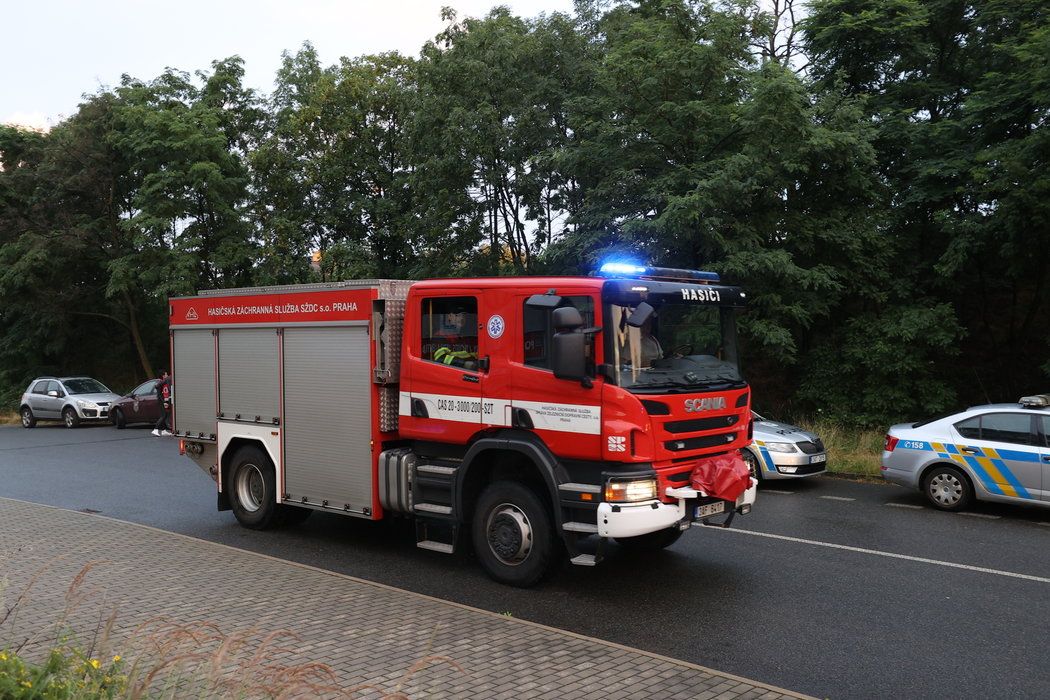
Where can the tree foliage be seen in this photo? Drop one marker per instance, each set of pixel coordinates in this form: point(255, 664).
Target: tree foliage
point(873, 175)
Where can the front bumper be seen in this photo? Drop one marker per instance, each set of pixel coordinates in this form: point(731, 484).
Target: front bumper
point(791, 465)
point(634, 519)
point(101, 413)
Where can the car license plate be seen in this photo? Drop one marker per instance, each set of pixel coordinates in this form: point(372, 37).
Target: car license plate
point(708, 509)
point(818, 458)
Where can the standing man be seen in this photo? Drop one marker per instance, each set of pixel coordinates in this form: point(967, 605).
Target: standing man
point(163, 390)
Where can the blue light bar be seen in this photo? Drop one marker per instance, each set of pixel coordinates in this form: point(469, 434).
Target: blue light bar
point(617, 268)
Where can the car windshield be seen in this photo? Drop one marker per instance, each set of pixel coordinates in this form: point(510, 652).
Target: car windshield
point(85, 386)
point(680, 347)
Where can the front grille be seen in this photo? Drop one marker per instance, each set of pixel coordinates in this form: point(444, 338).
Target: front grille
point(811, 468)
point(811, 448)
point(103, 403)
point(699, 443)
point(695, 425)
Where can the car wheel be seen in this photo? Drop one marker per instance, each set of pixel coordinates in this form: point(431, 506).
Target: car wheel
point(70, 417)
point(753, 467)
point(118, 419)
point(512, 534)
point(253, 488)
point(28, 419)
point(652, 541)
point(947, 488)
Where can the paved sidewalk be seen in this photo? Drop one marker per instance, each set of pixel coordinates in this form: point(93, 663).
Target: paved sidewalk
point(161, 585)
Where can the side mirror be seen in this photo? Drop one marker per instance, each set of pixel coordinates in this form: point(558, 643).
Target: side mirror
point(567, 318)
point(642, 313)
point(53, 394)
point(567, 354)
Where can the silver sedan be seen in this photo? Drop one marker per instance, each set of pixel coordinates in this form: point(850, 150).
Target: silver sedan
point(783, 451)
point(999, 452)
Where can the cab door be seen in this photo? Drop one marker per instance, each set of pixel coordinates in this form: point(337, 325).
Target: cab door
point(51, 406)
point(144, 402)
point(1000, 448)
point(565, 414)
point(443, 401)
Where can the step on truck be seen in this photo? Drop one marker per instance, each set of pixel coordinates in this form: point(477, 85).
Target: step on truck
point(541, 415)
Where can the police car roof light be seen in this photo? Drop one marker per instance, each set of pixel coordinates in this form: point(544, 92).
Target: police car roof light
point(1037, 401)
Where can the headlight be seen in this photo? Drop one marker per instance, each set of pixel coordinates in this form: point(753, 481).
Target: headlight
point(781, 447)
point(629, 491)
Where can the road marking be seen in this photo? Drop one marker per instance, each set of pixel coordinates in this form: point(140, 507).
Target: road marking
point(786, 493)
point(986, 516)
point(904, 505)
point(1046, 524)
point(890, 555)
point(837, 498)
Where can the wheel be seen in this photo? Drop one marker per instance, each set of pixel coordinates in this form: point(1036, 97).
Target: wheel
point(118, 419)
point(650, 542)
point(253, 489)
point(512, 534)
point(294, 515)
point(28, 419)
point(70, 417)
point(947, 488)
point(753, 467)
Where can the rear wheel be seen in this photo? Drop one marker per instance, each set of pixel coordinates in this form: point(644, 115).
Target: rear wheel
point(70, 417)
point(947, 488)
point(512, 534)
point(253, 490)
point(28, 419)
point(118, 419)
point(652, 541)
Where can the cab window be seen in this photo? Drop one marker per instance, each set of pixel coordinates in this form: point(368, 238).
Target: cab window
point(970, 428)
point(40, 387)
point(1046, 431)
point(449, 332)
point(538, 331)
point(146, 388)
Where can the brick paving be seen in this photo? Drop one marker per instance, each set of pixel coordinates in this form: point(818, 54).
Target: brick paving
point(373, 640)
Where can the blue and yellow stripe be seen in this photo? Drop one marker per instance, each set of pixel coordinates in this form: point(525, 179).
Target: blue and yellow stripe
point(986, 463)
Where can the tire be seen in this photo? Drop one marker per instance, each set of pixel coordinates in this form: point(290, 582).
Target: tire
point(947, 488)
point(253, 489)
point(513, 534)
point(70, 417)
point(118, 419)
point(28, 419)
point(650, 542)
point(753, 467)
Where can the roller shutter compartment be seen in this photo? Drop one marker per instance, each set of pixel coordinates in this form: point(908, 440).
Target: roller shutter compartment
point(193, 382)
point(327, 417)
point(248, 374)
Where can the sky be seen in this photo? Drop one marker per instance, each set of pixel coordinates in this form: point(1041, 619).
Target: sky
point(55, 51)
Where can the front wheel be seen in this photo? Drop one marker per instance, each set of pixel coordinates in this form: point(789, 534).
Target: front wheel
point(512, 534)
point(752, 464)
point(28, 419)
point(652, 541)
point(118, 419)
point(253, 489)
point(947, 488)
point(70, 417)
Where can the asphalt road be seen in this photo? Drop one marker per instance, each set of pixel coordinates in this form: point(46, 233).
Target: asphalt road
point(830, 587)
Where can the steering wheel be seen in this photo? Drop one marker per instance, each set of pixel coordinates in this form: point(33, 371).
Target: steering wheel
point(681, 350)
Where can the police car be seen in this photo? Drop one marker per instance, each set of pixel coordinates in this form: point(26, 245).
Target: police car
point(782, 451)
point(999, 452)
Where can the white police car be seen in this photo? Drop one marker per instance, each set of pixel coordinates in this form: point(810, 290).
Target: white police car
point(999, 452)
point(782, 451)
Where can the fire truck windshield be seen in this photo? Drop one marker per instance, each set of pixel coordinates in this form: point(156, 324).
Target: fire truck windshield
point(681, 347)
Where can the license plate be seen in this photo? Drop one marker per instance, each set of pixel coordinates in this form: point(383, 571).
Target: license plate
point(818, 458)
point(708, 509)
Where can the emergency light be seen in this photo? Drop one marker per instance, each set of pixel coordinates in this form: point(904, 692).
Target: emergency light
point(632, 271)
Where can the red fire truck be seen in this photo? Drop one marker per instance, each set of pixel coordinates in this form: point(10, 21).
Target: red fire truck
point(540, 413)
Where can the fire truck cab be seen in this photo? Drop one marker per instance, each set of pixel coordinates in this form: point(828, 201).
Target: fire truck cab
point(526, 411)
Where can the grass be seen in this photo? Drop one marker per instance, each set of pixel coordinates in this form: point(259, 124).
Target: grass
point(9, 418)
point(853, 451)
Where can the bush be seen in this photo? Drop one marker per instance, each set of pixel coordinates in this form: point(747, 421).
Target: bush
point(67, 673)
